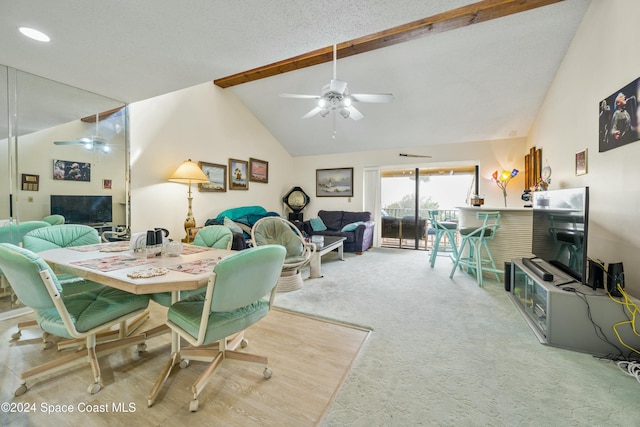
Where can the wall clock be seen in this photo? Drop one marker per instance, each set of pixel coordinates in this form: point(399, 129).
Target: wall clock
point(296, 199)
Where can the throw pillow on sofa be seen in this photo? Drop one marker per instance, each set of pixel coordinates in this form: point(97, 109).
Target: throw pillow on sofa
point(352, 226)
point(317, 224)
point(235, 228)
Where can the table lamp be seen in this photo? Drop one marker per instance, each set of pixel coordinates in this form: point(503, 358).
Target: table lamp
point(189, 173)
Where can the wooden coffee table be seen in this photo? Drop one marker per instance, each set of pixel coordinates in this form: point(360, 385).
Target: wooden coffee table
point(330, 244)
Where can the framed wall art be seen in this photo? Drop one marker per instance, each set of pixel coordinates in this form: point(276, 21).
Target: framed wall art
point(217, 175)
point(107, 184)
point(238, 174)
point(581, 162)
point(30, 182)
point(259, 171)
point(71, 171)
point(334, 182)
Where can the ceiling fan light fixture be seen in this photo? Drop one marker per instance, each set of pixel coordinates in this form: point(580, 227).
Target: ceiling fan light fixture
point(322, 103)
point(105, 149)
point(344, 113)
point(346, 101)
point(88, 146)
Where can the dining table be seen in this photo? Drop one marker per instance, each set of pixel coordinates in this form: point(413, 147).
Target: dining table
point(115, 265)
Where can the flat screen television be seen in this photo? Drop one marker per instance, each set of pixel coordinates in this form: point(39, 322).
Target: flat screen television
point(82, 209)
point(560, 227)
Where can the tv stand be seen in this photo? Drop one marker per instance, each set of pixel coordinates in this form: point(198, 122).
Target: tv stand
point(565, 316)
point(540, 271)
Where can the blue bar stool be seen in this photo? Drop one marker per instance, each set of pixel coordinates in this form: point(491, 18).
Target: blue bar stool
point(474, 239)
point(443, 229)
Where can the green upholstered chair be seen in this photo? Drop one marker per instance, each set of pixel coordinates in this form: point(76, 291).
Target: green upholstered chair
point(474, 240)
point(81, 315)
point(240, 292)
point(61, 236)
point(13, 233)
point(214, 236)
point(275, 230)
point(54, 219)
point(444, 230)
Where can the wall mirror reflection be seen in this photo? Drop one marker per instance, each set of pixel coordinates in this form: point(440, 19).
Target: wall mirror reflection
point(47, 127)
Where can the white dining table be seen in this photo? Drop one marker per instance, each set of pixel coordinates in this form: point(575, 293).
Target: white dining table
point(113, 265)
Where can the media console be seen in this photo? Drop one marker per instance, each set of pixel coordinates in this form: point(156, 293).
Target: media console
point(564, 313)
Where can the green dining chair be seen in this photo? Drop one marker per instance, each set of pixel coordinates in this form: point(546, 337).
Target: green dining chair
point(214, 236)
point(81, 315)
point(13, 233)
point(59, 236)
point(240, 291)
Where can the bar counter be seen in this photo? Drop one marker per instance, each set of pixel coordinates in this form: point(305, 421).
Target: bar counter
point(512, 239)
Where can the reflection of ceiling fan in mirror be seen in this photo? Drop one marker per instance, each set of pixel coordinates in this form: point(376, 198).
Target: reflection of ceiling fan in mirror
point(98, 142)
point(336, 97)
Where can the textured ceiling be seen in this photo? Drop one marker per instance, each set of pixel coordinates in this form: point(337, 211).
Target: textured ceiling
point(485, 81)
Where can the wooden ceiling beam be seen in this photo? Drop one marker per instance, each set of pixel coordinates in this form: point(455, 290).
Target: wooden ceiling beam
point(475, 13)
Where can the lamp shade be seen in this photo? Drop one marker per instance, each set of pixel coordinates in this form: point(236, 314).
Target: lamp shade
point(188, 172)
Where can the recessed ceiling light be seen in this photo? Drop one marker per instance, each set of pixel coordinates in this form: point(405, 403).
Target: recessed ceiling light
point(34, 34)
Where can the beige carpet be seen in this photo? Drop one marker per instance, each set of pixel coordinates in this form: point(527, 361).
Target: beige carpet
point(309, 357)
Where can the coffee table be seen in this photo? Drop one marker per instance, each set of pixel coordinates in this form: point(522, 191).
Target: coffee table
point(331, 243)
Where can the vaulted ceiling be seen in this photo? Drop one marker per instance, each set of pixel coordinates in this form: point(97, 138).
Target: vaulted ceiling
point(470, 78)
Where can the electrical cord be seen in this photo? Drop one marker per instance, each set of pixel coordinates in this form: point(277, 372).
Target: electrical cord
point(630, 368)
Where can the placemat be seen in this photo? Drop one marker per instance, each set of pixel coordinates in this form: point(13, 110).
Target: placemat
point(113, 262)
point(193, 249)
point(197, 267)
point(102, 247)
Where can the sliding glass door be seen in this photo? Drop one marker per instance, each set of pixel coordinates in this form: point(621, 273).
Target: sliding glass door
point(407, 195)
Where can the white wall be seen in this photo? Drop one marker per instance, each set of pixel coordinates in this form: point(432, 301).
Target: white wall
point(490, 155)
point(602, 58)
point(201, 123)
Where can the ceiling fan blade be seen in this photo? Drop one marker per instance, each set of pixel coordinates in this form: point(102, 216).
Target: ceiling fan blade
point(415, 155)
point(312, 113)
point(337, 86)
point(293, 95)
point(354, 113)
point(372, 97)
point(68, 142)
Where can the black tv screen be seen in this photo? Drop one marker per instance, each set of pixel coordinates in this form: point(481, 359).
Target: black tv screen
point(82, 209)
point(560, 226)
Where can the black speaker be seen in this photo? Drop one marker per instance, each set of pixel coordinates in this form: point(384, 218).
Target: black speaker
point(507, 276)
point(615, 277)
point(596, 274)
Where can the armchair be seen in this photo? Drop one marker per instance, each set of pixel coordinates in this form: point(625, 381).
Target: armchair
point(275, 230)
point(82, 315)
point(234, 300)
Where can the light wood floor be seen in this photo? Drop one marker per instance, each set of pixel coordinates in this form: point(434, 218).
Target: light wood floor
point(309, 358)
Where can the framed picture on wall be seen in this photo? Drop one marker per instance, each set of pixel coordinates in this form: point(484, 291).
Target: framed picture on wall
point(71, 171)
point(238, 174)
point(30, 182)
point(259, 171)
point(334, 182)
point(581, 162)
point(217, 175)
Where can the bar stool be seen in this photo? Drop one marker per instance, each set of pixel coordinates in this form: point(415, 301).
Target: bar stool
point(474, 239)
point(443, 229)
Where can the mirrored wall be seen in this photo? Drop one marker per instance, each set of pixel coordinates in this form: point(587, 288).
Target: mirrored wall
point(48, 132)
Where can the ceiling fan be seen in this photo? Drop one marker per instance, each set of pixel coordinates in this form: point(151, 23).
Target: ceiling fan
point(91, 143)
point(336, 97)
